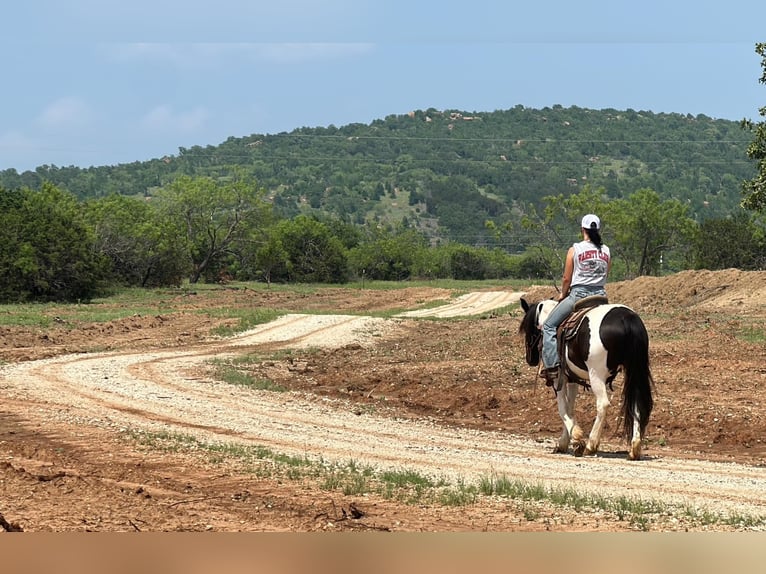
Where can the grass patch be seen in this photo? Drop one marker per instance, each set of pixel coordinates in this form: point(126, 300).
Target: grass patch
point(753, 334)
point(127, 302)
point(406, 479)
point(234, 371)
point(26, 316)
point(246, 318)
point(411, 487)
point(234, 376)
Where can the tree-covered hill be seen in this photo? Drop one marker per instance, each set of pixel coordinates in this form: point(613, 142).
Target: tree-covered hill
point(449, 172)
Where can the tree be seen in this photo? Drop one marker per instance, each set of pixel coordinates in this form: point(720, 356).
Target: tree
point(272, 261)
point(468, 262)
point(648, 233)
point(556, 228)
point(642, 230)
point(723, 243)
point(142, 247)
point(314, 254)
point(47, 251)
point(755, 188)
point(217, 218)
point(387, 255)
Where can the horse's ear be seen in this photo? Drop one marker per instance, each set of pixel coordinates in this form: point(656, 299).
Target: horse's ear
point(524, 304)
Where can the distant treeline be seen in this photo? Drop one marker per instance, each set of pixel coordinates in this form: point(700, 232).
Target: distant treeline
point(55, 246)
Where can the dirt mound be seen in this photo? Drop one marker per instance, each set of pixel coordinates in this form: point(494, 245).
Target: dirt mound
point(729, 289)
point(713, 290)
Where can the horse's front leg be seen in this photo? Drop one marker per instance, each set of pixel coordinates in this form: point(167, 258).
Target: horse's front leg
point(566, 401)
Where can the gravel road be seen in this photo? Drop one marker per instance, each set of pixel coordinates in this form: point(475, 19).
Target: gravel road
point(160, 391)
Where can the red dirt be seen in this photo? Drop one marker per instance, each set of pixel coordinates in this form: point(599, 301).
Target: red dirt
point(465, 372)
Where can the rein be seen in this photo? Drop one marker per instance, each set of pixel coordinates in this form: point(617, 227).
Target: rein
point(537, 341)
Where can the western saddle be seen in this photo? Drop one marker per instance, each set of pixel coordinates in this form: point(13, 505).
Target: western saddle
point(567, 330)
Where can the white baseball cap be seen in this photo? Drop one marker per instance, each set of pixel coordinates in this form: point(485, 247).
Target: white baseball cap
point(591, 221)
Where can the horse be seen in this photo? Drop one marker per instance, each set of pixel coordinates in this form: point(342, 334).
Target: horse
point(607, 340)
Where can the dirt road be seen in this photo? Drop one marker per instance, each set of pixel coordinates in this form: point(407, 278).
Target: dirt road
point(100, 396)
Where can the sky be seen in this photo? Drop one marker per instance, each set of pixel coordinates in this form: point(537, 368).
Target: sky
point(101, 82)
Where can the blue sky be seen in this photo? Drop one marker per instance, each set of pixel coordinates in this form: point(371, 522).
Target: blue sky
point(97, 82)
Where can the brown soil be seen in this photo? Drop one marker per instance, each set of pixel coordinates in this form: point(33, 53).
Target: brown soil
point(708, 359)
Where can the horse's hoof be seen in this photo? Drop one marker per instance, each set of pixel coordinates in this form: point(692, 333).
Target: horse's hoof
point(579, 449)
point(589, 452)
point(558, 450)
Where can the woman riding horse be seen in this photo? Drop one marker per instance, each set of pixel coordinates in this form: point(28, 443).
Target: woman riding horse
point(585, 271)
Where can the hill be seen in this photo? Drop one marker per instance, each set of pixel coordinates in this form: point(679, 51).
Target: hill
point(448, 172)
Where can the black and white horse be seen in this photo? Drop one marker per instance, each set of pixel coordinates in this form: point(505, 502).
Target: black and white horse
point(609, 339)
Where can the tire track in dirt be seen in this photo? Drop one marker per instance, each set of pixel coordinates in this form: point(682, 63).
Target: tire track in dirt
point(468, 304)
point(154, 391)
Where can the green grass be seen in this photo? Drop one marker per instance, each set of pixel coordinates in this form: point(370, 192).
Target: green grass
point(411, 487)
point(127, 302)
point(234, 370)
point(26, 315)
point(122, 303)
point(460, 286)
point(234, 376)
point(246, 318)
point(753, 334)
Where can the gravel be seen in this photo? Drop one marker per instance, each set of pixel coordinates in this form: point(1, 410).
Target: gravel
point(161, 390)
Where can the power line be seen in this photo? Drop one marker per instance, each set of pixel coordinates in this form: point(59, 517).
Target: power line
point(516, 139)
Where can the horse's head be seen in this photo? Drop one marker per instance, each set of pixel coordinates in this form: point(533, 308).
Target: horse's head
point(531, 330)
point(532, 327)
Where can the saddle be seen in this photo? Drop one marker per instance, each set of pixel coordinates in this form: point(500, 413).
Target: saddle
point(568, 329)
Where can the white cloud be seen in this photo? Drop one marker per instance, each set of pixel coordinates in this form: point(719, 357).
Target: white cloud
point(65, 113)
point(208, 54)
point(164, 119)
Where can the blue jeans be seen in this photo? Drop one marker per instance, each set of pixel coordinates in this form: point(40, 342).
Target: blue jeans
point(557, 316)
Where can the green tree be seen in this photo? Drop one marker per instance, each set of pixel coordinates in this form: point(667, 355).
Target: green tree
point(650, 235)
point(144, 250)
point(556, 228)
point(755, 188)
point(272, 261)
point(217, 218)
point(723, 243)
point(314, 254)
point(387, 255)
point(47, 251)
point(468, 262)
point(647, 234)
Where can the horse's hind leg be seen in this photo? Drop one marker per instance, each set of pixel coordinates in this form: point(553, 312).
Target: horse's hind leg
point(566, 400)
point(635, 443)
point(602, 405)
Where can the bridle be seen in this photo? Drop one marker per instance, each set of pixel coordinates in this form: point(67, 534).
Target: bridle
point(537, 341)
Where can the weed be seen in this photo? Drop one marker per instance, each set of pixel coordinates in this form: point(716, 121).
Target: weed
point(411, 487)
point(236, 377)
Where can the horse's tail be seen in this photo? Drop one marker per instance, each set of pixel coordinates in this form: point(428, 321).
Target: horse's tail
point(637, 400)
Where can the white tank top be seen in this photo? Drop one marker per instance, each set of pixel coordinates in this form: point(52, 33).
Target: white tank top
point(590, 264)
